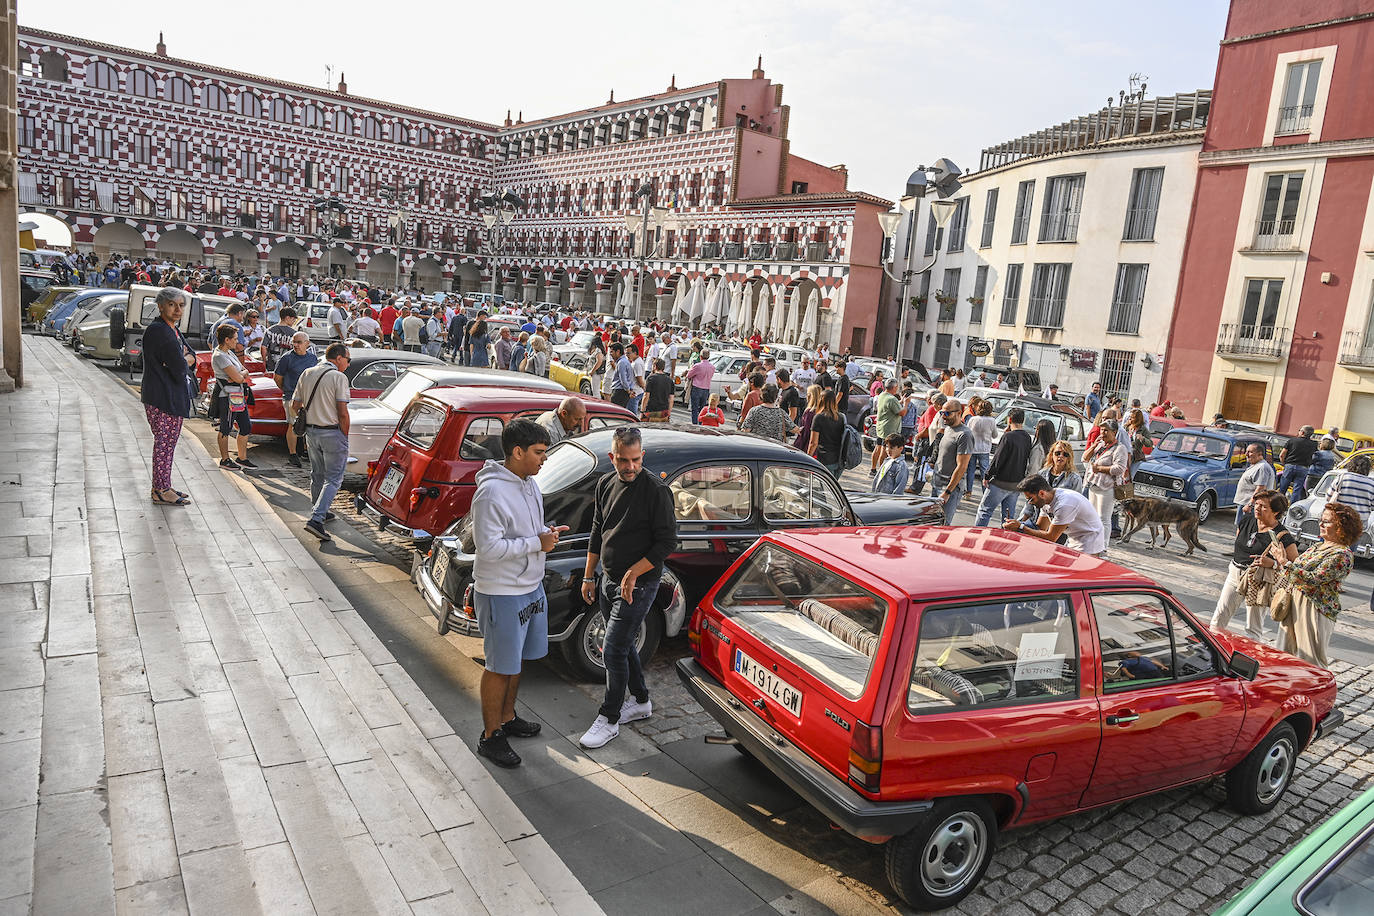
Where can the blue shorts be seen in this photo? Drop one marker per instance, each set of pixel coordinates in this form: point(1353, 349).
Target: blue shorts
point(515, 628)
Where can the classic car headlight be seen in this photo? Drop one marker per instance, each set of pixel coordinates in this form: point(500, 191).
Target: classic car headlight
point(1177, 485)
point(1297, 513)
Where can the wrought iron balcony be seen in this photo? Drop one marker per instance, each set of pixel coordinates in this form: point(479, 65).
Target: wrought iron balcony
point(1295, 119)
point(1253, 341)
point(1275, 235)
point(1357, 350)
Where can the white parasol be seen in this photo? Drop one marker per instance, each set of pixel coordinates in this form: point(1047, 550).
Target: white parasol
point(744, 308)
point(779, 317)
point(736, 310)
point(812, 320)
point(760, 321)
point(789, 332)
point(717, 302)
point(696, 300)
point(679, 294)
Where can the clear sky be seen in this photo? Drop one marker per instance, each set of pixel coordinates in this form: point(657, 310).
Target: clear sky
point(880, 86)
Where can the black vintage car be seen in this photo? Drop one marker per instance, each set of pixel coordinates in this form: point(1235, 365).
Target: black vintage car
point(728, 489)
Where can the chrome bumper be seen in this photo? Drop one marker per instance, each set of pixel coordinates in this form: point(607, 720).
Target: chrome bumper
point(386, 523)
point(438, 603)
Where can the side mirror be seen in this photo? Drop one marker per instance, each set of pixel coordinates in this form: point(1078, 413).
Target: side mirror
point(1242, 666)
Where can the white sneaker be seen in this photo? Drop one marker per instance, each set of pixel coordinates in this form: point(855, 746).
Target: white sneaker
point(633, 710)
point(601, 732)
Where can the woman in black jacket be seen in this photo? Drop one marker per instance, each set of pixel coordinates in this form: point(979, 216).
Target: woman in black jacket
point(166, 392)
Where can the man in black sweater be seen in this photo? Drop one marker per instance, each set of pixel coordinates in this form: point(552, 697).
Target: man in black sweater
point(1007, 470)
point(633, 531)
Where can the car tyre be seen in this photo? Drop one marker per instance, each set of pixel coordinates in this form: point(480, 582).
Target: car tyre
point(582, 648)
point(1206, 505)
point(1257, 783)
point(585, 387)
point(941, 861)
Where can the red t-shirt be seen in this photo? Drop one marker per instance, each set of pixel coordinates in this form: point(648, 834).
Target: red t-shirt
point(225, 291)
point(639, 345)
point(711, 416)
point(566, 322)
point(388, 320)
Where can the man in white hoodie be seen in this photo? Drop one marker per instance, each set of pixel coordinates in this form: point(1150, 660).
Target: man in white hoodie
point(508, 526)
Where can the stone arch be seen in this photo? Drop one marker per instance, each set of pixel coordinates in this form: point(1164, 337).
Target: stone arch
point(288, 259)
point(61, 235)
point(119, 237)
point(180, 245)
point(237, 254)
point(429, 273)
point(381, 269)
point(798, 294)
point(564, 296)
point(52, 65)
point(339, 261)
point(467, 278)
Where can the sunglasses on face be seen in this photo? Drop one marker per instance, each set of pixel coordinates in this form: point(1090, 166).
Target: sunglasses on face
point(1061, 454)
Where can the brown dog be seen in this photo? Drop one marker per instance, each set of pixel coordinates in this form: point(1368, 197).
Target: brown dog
point(1140, 512)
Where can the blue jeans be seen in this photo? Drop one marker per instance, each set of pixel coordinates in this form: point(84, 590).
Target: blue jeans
point(994, 496)
point(633, 406)
point(952, 503)
point(1295, 476)
point(977, 461)
point(697, 400)
point(328, 459)
point(623, 619)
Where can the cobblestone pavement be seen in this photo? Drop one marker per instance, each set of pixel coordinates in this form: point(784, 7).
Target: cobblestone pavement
point(1179, 852)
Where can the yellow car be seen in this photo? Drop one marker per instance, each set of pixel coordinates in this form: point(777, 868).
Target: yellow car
point(570, 369)
point(1348, 440)
point(40, 307)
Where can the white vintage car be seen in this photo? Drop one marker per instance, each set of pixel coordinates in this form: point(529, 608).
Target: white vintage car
point(1304, 517)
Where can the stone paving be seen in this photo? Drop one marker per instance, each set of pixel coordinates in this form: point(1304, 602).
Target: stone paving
point(193, 718)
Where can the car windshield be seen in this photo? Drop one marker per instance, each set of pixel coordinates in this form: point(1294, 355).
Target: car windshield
point(400, 392)
point(1346, 886)
point(582, 338)
point(568, 495)
point(814, 617)
point(1197, 444)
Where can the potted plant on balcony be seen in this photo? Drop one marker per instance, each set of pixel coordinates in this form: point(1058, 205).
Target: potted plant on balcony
point(944, 299)
point(975, 300)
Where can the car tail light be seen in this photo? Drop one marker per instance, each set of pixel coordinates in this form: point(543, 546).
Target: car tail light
point(694, 633)
point(866, 756)
point(420, 493)
point(371, 468)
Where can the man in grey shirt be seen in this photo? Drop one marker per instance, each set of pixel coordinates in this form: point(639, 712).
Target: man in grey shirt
point(951, 461)
point(1258, 476)
point(563, 421)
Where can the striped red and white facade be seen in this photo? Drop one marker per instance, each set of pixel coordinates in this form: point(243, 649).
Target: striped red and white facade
point(141, 153)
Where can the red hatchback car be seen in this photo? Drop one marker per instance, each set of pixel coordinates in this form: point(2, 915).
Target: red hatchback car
point(426, 476)
point(928, 687)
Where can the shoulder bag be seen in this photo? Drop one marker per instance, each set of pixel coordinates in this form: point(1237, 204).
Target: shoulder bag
point(298, 424)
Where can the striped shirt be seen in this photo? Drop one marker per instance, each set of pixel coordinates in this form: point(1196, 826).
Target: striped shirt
point(1355, 491)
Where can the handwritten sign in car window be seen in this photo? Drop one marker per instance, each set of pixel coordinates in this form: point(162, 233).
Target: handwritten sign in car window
point(1036, 658)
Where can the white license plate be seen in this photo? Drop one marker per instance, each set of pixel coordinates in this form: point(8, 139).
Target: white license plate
point(441, 567)
point(773, 687)
point(1142, 489)
point(391, 482)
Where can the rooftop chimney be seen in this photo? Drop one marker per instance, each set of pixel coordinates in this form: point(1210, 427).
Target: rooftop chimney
point(672, 84)
point(611, 100)
point(161, 47)
point(520, 118)
point(758, 71)
point(343, 85)
point(508, 121)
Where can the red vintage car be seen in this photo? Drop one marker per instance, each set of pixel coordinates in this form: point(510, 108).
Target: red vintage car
point(928, 687)
point(426, 476)
point(370, 371)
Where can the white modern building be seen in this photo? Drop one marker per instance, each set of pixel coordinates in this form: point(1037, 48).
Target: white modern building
point(1064, 252)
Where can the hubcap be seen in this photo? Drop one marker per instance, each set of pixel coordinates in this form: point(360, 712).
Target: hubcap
point(953, 854)
point(1274, 771)
point(1204, 509)
point(595, 638)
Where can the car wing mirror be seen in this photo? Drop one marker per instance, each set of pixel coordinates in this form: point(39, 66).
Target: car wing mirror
point(1243, 666)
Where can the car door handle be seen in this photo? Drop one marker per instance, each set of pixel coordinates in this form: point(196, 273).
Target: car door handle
point(1124, 717)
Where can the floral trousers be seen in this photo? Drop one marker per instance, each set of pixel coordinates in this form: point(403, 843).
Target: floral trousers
point(166, 430)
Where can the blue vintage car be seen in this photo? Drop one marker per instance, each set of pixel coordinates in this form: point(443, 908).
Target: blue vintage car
point(1199, 466)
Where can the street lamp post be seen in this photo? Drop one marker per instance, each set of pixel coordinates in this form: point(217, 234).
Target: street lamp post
point(652, 219)
point(498, 210)
point(398, 221)
point(945, 174)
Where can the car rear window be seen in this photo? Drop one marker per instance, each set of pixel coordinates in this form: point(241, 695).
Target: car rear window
point(814, 617)
point(482, 440)
point(422, 424)
point(1344, 886)
point(1000, 653)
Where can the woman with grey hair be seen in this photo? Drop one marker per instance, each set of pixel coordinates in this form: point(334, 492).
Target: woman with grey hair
point(166, 392)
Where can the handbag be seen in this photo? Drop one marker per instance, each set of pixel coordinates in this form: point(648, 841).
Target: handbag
point(298, 424)
point(1281, 604)
point(1257, 585)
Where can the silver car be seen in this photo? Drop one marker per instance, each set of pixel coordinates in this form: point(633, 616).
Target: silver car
point(1304, 517)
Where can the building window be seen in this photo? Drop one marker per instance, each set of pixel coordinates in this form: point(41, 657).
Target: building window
point(176, 153)
point(1116, 372)
point(944, 343)
point(28, 69)
point(104, 196)
point(1276, 229)
point(1128, 299)
point(1142, 206)
point(281, 170)
point(980, 289)
point(949, 289)
point(1260, 312)
point(143, 204)
point(958, 226)
point(215, 98)
point(248, 164)
point(989, 218)
point(214, 160)
point(1063, 201)
point(281, 111)
point(343, 123)
point(141, 82)
point(250, 106)
point(248, 214)
point(102, 142)
point(799, 187)
point(62, 136)
point(176, 205)
point(1020, 222)
point(1011, 294)
point(179, 91)
point(934, 235)
point(53, 66)
point(1299, 96)
point(1049, 289)
point(141, 148)
point(400, 134)
point(279, 218)
point(371, 129)
point(312, 116)
point(214, 208)
point(100, 75)
point(342, 178)
point(28, 130)
point(311, 173)
point(924, 297)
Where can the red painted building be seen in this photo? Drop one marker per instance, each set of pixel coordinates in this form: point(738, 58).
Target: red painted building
point(1274, 321)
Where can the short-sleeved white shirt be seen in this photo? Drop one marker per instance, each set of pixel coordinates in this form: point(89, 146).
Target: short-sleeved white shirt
point(1083, 526)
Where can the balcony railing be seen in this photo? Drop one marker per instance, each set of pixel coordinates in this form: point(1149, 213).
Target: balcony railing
point(1357, 349)
point(1276, 234)
point(1295, 119)
point(1255, 341)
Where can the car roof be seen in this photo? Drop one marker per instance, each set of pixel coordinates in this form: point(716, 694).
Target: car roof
point(369, 354)
point(937, 563)
point(497, 397)
point(477, 376)
point(674, 445)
